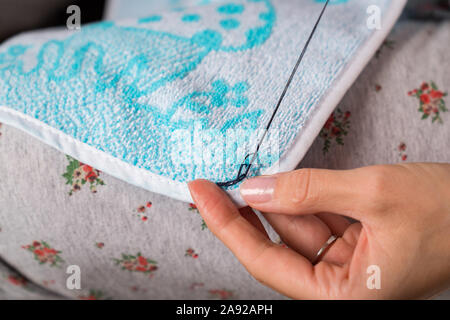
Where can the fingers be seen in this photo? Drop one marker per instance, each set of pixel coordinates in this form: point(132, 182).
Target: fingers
point(341, 251)
point(248, 214)
point(309, 191)
point(305, 234)
point(337, 224)
point(278, 267)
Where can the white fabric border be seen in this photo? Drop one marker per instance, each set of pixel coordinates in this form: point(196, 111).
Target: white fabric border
point(94, 157)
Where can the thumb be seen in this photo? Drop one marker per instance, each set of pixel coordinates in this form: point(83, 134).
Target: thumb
point(309, 191)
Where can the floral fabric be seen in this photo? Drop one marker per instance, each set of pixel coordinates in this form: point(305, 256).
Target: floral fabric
point(57, 212)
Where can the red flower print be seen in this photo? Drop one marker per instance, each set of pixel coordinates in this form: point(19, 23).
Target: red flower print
point(39, 253)
point(329, 122)
point(388, 44)
point(191, 253)
point(91, 176)
point(93, 295)
point(100, 245)
point(142, 261)
point(196, 285)
point(335, 129)
point(222, 294)
point(141, 210)
point(425, 98)
point(193, 207)
point(137, 263)
point(402, 148)
point(431, 102)
point(43, 253)
point(48, 251)
point(47, 283)
point(436, 94)
point(78, 174)
point(137, 289)
point(87, 168)
point(17, 280)
point(378, 88)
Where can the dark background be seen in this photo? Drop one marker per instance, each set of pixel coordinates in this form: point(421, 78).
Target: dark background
point(23, 15)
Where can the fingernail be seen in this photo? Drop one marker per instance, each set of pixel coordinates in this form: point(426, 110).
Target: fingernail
point(258, 190)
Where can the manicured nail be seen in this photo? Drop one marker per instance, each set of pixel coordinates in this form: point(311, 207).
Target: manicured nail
point(258, 190)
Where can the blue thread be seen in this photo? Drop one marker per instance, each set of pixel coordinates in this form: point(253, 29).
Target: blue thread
point(332, 1)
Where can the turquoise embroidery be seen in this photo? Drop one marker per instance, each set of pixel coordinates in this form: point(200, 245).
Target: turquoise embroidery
point(218, 97)
point(191, 18)
point(83, 85)
point(231, 8)
point(258, 35)
point(153, 18)
point(229, 24)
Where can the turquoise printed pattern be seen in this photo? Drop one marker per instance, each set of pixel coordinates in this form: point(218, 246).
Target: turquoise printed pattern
point(229, 23)
point(191, 18)
point(201, 102)
point(231, 8)
point(153, 18)
point(90, 85)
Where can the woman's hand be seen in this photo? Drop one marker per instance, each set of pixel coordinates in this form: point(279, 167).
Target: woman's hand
point(403, 229)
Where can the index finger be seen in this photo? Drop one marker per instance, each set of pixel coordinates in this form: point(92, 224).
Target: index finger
point(280, 268)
